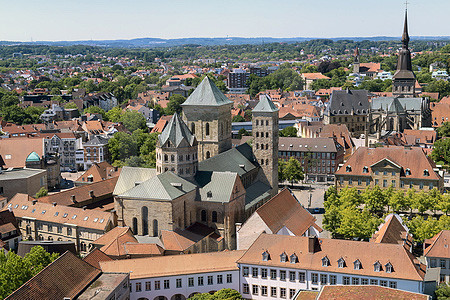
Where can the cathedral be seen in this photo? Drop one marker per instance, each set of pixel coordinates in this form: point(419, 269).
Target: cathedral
point(405, 109)
point(199, 177)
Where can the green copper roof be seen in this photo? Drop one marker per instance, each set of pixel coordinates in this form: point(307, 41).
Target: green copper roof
point(33, 156)
point(207, 94)
point(176, 132)
point(265, 105)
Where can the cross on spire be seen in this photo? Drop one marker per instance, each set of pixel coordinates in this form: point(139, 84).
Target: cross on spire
point(406, 5)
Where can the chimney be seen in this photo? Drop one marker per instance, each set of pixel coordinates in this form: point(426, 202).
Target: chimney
point(34, 201)
point(84, 207)
point(54, 203)
point(72, 197)
point(312, 244)
point(91, 194)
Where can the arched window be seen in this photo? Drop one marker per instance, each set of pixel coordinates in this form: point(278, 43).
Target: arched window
point(207, 129)
point(144, 215)
point(193, 128)
point(135, 226)
point(257, 134)
point(267, 146)
point(50, 238)
point(172, 158)
point(267, 134)
point(257, 146)
point(83, 246)
point(214, 216)
point(262, 161)
point(155, 228)
point(203, 216)
point(267, 162)
point(208, 155)
point(166, 158)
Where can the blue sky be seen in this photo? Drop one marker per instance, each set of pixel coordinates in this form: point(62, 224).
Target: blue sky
point(113, 19)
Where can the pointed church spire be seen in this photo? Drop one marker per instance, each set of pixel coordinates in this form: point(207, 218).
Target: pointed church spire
point(405, 35)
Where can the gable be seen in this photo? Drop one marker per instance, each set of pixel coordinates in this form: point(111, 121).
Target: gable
point(386, 163)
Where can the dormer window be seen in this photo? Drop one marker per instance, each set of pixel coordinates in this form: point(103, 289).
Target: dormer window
point(408, 172)
point(293, 259)
point(348, 168)
point(365, 169)
point(389, 268)
point(377, 266)
point(209, 194)
point(357, 265)
point(283, 257)
point(325, 262)
point(426, 172)
point(265, 256)
point(341, 263)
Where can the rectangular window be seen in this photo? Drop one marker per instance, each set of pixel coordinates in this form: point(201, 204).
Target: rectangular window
point(302, 276)
point(229, 278)
point(219, 279)
point(157, 285)
point(283, 293)
point(264, 273)
point(373, 281)
point(148, 285)
point(433, 263)
point(383, 283)
point(291, 293)
point(59, 229)
point(359, 181)
point(355, 280)
point(393, 183)
point(191, 281)
point(138, 287)
point(364, 281)
point(245, 288)
point(442, 278)
point(282, 275)
point(245, 272)
point(346, 280)
point(333, 279)
point(323, 279)
point(384, 183)
point(210, 280)
point(314, 278)
point(273, 292)
point(367, 181)
point(292, 276)
point(255, 289)
point(200, 281)
point(50, 228)
point(393, 284)
point(263, 290)
point(255, 272)
point(402, 183)
point(376, 181)
point(393, 173)
point(273, 274)
point(179, 284)
point(166, 284)
point(443, 263)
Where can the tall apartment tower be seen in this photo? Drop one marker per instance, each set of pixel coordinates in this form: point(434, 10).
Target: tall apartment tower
point(207, 113)
point(176, 149)
point(404, 80)
point(265, 139)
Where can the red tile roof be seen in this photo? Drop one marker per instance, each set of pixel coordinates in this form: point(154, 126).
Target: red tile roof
point(439, 245)
point(366, 292)
point(95, 257)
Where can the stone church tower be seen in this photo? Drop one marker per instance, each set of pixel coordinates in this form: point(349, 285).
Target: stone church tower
point(265, 139)
point(404, 79)
point(207, 113)
point(356, 61)
point(176, 149)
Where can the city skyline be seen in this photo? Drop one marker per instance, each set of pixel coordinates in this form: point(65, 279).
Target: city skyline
point(101, 20)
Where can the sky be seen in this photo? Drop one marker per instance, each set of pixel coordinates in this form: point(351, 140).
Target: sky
point(69, 20)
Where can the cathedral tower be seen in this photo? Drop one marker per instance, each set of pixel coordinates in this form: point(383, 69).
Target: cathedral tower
point(207, 113)
point(265, 139)
point(356, 61)
point(176, 149)
point(404, 79)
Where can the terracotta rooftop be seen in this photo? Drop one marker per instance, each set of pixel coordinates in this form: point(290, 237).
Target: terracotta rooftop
point(310, 252)
point(95, 257)
point(366, 292)
point(15, 151)
point(314, 76)
point(99, 172)
point(8, 222)
point(392, 231)
point(438, 245)
point(175, 264)
point(67, 277)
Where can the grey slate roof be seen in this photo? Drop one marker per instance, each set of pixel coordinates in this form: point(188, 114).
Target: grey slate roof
point(343, 102)
point(96, 141)
point(177, 132)
point(131, 175)
point(220, 184)
point(265, 105)
point(230, 161)
point(308, 144)
point(393, 104)
point(207, 94)
point(255, 193)
point(19, 173)
point(161, 187)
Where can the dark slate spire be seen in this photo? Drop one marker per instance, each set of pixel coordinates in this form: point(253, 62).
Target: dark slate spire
point(405, 35)
point(176, 132)
point(357, 55)
point(404, 66)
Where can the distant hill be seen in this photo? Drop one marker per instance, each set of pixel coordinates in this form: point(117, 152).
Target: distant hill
point(157, 42)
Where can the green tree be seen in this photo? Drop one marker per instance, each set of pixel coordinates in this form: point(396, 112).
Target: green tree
point(238, 118)
point(444, 130)
point(397, 201)
point(242, 132)
point(95, 110)
point(281, 170)
point(133, 120)
point(42, 192)
point(70, 105)
point(289, 131)
point(174, 105)
point(441, 151)
point(121, 146)
point(444, 204)
point(356, 223)
point(293, 171)
point(223, 294)
point(374, 199)
point(114, 114)
point(443, 290)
